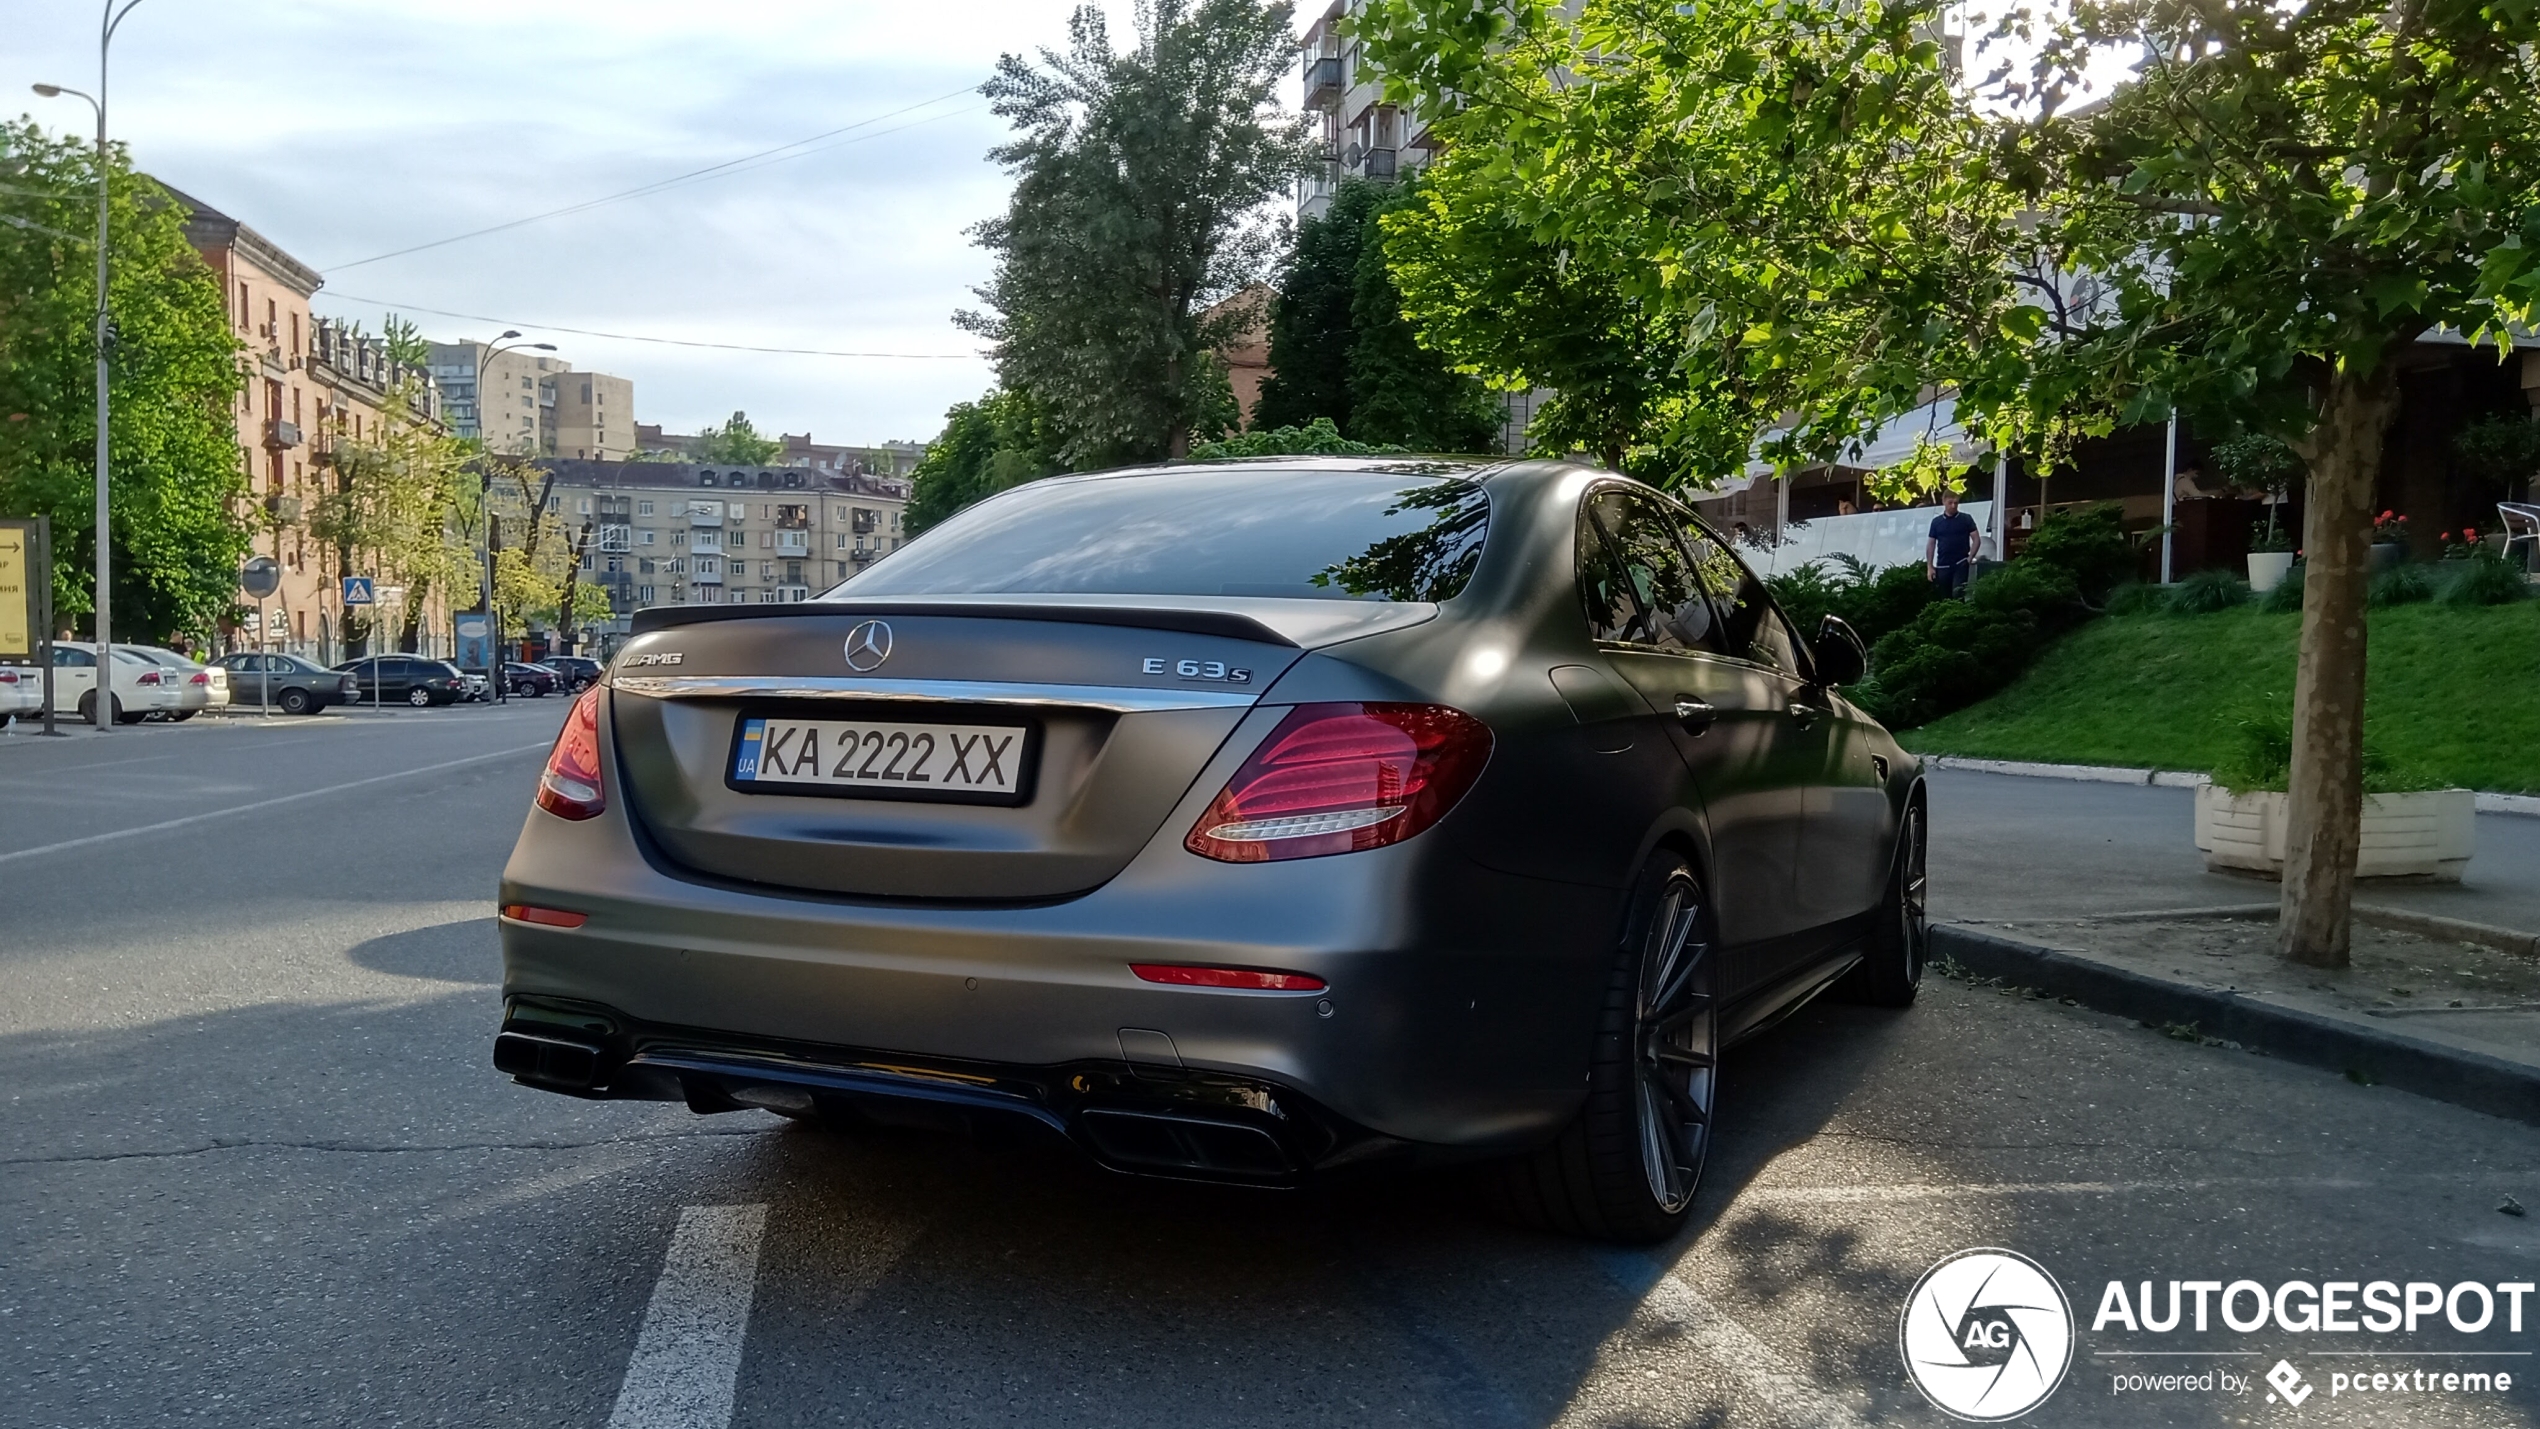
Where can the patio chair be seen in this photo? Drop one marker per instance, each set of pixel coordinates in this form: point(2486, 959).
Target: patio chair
point(2522, 523)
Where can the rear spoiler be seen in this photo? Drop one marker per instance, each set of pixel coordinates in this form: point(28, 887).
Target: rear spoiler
point(1221, 623)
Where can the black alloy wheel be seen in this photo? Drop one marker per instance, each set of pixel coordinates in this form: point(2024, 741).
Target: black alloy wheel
point(1627, 1168)
point(418, 697)
point(1891, 968)
point(297, 702)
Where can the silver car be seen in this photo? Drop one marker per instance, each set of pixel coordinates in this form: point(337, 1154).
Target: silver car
point(1241, 822)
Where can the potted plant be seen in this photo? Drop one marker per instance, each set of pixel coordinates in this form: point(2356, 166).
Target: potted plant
point(2409, 831)
point(2389, 541)
point(2459, 545)
point(2270, 555)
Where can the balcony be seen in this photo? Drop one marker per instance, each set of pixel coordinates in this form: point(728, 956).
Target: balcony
point(281, 435)
point(707, 573)
point(283, 509)
point(1325, 78)
point(796, 542)
point(705, 513)
point(1377, 163)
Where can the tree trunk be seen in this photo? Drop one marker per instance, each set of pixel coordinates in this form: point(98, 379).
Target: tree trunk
point(2325, 810)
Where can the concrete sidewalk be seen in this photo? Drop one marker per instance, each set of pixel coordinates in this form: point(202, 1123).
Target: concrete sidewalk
point(2013, 848)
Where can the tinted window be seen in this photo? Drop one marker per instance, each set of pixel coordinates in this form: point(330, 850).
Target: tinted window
point(1638, 585)
point(1402, 534)
point(65, 657)
point(1751, 628)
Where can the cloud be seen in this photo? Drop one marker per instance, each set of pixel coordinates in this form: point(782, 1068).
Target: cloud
point(341, 132)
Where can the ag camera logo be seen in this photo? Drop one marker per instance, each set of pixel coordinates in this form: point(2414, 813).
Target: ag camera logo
point(1986, 1335)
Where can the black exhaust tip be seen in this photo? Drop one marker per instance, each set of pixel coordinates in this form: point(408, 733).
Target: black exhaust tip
point(547, 1061)
point(1164, 1141)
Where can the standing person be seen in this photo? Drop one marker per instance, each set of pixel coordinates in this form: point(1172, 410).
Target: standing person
point(1949, 557)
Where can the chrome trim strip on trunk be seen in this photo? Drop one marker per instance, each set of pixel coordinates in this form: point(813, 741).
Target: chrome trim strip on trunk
point(1123, 699)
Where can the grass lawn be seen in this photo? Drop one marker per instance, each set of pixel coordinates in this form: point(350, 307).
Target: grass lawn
point(2453, 694)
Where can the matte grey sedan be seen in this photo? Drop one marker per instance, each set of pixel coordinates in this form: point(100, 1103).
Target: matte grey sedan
point(1237, 822)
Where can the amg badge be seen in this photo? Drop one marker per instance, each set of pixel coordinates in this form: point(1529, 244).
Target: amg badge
point(1196, 669)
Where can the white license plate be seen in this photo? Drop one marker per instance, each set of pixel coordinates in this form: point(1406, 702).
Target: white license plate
point(888, 758)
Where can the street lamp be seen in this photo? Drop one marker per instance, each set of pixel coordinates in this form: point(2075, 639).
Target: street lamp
point(110, 18)
point(485, 485)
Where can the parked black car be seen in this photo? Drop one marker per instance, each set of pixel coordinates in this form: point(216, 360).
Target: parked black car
point(291, 684)
point(580, 670)
point(405, 679)
point(520, 678)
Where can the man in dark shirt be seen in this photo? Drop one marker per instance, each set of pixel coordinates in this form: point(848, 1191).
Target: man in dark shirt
point(1950, 555)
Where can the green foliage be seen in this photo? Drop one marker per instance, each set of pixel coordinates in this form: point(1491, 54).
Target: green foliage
point(1311, 331)
point(2207, 592)
point(1400, 392)
point(2048, 592)
point(2448, 695)
point(2089, 544)
point(2137, 598)
point(736, 443)
point(173, 377)
point(2486, 579)
point(1873, 603)
point(2258, 461)
point(406, 342)
point(1001, 440)
point(2286, 597)
point(404, 506)
point(2400, 585)
point(1139, 177)
point(2500, 451)
point(2258, 755)
point(1316, 438)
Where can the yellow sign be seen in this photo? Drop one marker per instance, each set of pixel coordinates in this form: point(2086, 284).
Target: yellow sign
point(17, 592)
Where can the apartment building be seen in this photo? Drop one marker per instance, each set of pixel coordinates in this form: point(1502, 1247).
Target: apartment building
point(1361, 136)
point(310, 383)
point(591, 416)
point(515, 414)
point(884, 459)
point(688, 533)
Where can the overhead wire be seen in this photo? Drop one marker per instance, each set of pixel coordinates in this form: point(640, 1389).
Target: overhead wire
point(527, 326)
point(744, 164)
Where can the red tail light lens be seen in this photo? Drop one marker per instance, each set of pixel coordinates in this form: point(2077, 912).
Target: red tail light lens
point(1249, 979)
point(1338, 778)
point(549, 917)
point(201, 677)
point(148, 677)
point(570, 787)
point(8, 677)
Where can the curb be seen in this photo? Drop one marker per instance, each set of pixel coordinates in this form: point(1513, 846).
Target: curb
point(2525, 805)
point(2475, 1080)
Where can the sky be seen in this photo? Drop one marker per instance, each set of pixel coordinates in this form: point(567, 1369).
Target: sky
point(345, 131)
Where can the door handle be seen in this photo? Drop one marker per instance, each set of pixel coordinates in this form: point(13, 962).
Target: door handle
point(1806, 715)
point(1695, 715)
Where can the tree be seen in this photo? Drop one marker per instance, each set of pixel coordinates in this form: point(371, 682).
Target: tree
point(1316, 438)
point(1341, 350)
point(2279, 206)
point(736, 443)
point(1003, 439)
point(178, 481)
point(1139, 177)
point(401, 504)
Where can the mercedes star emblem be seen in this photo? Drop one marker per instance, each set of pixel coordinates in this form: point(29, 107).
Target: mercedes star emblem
point(868, 645)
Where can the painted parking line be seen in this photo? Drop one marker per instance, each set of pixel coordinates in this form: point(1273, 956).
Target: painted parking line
point(688, 1355)
point(1780, 1388)
point(166, 824)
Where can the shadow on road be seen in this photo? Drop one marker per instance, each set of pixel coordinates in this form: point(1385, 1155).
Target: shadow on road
point(464, 951)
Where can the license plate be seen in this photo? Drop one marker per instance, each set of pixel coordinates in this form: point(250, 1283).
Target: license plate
point(890, 759)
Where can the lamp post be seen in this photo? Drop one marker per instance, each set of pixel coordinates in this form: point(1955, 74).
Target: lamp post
point(485, 487)
point(110, 18)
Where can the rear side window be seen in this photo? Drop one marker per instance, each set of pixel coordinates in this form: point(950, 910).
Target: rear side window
point(1751, 628)
point(1406, 533)
point(1635, 578)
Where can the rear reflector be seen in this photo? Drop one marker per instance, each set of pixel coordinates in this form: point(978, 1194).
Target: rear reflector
point(1337, 778)
point(570, 786)
point(551, 917)
point(1249, 979)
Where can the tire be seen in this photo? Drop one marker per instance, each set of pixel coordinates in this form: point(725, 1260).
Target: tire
point(1891, 968)
point(297, 702)
point(181, 716)
point(1627, 1167)
point(419, 697)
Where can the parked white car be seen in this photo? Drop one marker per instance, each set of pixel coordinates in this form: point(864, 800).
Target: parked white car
point(21, 692)
point(141, 687)
point(203, 687)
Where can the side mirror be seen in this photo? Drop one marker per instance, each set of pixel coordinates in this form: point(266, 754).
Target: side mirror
point(1840, 656)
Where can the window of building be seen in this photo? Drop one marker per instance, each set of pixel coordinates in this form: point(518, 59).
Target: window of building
point(736, 539)
point(679, 538)
point(616, 564)
point(644, 593)
point(581, 508)
point(295, 334)
point(767, 570)
point(739, 479)
point(643, 508)
point(645, 537)
point(705, 478)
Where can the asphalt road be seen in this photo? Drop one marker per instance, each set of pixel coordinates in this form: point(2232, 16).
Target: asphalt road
point(255, 1170)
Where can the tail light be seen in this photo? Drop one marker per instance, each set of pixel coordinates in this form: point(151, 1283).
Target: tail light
point(148, 677)
point(570, 787)
point(1337, 778)
point(8, 677)
point(201, 677)
point(1244, 979)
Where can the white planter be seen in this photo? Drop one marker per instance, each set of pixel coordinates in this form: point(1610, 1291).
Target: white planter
point(2267, 568)
point(2425, 835)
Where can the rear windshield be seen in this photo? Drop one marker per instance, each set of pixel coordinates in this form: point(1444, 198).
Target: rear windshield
point(1330, 535)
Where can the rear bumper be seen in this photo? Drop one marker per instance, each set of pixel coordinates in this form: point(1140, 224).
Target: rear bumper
point(1459, 1009)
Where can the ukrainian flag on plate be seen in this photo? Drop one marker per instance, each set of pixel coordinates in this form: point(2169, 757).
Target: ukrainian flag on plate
point(753, 738)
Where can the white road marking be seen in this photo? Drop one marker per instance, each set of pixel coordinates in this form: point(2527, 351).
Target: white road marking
point(688, 1355)
point(166, 824)
point(1785, 1393)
